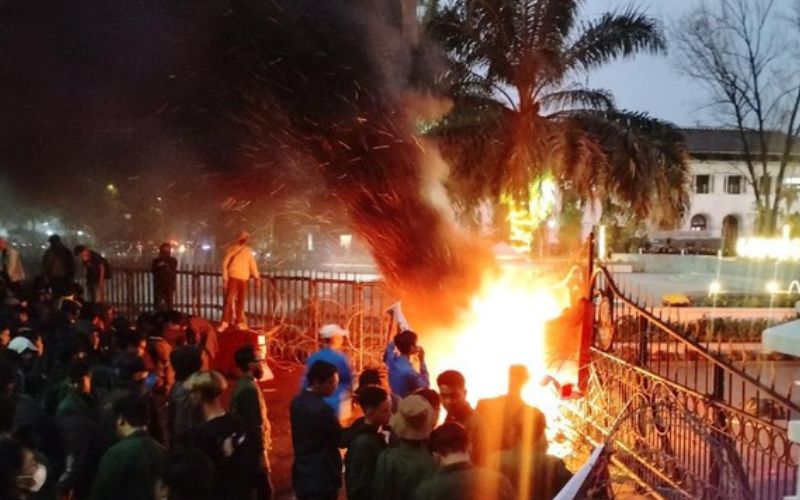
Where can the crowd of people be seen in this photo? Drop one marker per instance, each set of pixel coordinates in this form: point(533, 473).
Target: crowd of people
point(396, 448)
point(97, 406)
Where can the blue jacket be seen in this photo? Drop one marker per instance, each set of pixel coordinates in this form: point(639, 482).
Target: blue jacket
point(342, 364)
point(403, 378)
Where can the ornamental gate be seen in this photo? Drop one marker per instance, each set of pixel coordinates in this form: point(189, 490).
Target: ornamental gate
point(686, 417)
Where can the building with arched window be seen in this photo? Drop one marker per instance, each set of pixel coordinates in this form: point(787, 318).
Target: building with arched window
point(722, 203)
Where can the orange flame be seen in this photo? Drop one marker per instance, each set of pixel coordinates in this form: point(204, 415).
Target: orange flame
point(504, 326)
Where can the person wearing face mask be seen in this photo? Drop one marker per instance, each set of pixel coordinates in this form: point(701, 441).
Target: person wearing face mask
point(129, 469)
point(33, 475)
point(248, 402)
point(21, 475)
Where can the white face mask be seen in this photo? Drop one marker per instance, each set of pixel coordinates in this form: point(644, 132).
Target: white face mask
point(39, 477)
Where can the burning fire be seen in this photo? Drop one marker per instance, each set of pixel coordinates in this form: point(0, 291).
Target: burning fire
point(504, 326)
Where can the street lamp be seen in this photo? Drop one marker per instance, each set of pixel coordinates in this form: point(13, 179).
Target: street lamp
point(773, 287)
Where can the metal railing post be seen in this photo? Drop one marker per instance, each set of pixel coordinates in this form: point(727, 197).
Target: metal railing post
point(130, 300)
point(360, 324)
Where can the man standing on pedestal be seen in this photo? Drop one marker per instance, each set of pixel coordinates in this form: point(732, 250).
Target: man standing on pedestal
point(238, 266)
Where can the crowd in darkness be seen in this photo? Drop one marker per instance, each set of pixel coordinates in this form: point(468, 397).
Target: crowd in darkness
point(97, 406)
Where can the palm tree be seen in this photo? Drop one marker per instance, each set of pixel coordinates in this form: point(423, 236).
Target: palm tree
point(520, 115)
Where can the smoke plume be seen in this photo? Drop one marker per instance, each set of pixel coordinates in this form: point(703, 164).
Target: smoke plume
point(266, 100)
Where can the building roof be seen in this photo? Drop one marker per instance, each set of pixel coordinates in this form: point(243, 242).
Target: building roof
point(709, 143)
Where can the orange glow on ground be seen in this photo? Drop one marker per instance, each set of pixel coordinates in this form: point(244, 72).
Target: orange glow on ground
point(505, 325)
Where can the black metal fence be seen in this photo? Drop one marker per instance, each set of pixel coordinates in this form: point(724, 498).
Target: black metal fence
point(702, 419)
point(290, 305)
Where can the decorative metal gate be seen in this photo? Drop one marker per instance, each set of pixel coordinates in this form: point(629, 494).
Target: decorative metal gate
point(693, 419)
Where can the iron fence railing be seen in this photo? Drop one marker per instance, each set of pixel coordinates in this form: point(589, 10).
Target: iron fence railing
point(290, 305)
point(706, 422)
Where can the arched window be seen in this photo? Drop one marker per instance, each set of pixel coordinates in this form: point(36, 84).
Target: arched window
point(699, 223)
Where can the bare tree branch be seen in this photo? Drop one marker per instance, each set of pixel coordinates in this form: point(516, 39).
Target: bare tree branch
point(738, 50)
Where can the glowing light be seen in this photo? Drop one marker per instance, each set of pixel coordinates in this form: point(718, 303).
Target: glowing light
point(552, 223)
point(181, 248)
point(769, 248)
point(345, 241)
point(714, 288)
point(773, 287)
point(505, 325)
point(80, 233)
point(310, 242)
point(111, 187)
point(523, 219)
point(50, 232)
point(206, 247)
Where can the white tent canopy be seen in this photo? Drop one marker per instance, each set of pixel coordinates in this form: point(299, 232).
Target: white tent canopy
point(783, 338)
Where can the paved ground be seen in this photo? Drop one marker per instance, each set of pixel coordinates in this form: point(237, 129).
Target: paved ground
point(279, 394)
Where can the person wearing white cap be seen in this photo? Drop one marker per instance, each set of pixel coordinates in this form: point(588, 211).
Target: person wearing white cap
point(332, 340)
point(22, 344)
point(238, 266)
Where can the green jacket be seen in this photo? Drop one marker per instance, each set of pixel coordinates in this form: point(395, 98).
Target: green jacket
point(548, 474)
point(364, 445)
point(82, 440)
point(248, 402)
point(400, 469)
point(464, 481)
point(129, 469)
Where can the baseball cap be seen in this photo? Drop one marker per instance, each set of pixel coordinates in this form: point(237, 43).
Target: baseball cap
point(332, 330)
point(22, 344)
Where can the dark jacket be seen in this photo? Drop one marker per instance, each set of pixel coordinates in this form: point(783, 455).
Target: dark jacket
point(203, 333)
point(464, 481)
point(248, 402)
point(400, 469)
point(364, 444)
point(500, 416)
point(58, 263)
point(224, 441)
point(107, 420)
point(37, 427)
point(93, 265)
point(183, 416)
point(548, 473)
point(471, 421)
point(83, 443)
point(165, 272)
point(129, 469)
point(317, 466)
